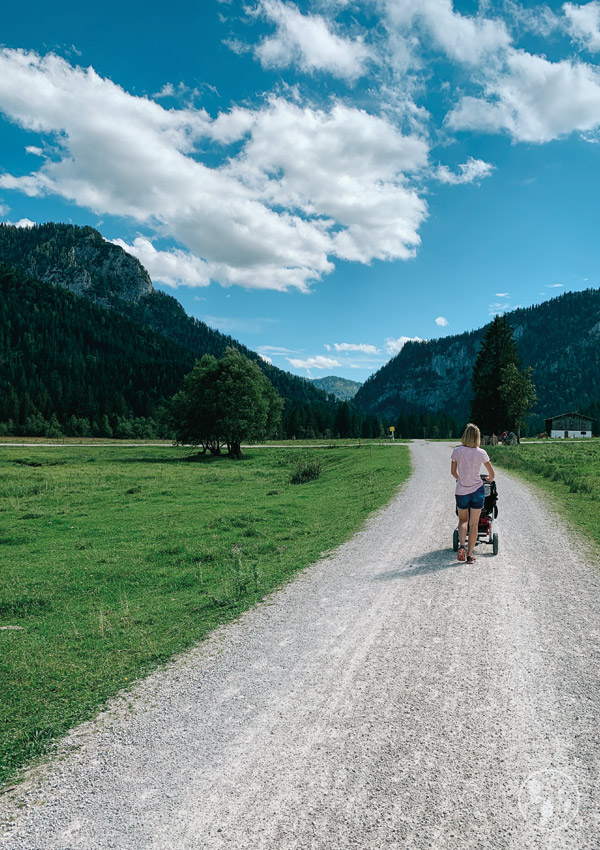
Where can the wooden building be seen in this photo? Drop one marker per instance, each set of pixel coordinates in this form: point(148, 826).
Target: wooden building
point(569, 425)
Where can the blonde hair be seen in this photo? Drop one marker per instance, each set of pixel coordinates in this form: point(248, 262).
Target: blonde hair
point(471, 436)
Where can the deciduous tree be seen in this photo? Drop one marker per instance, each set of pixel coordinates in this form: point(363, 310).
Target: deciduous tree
point(225, 401)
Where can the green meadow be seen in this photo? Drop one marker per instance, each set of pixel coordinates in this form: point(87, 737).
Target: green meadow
point(567, 471)
point(115, 559)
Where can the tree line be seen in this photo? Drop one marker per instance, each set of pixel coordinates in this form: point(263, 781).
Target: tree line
point(70, 367)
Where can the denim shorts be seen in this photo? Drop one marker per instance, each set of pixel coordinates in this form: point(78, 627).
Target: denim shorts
point(473, 500)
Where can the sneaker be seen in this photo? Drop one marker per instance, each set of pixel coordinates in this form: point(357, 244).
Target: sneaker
point(462, 554)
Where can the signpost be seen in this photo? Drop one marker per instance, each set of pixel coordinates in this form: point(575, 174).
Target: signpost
point(392, 429)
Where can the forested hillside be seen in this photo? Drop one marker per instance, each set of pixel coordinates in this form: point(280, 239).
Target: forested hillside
point(560, 339)
point(69, 366)
point(81, 260)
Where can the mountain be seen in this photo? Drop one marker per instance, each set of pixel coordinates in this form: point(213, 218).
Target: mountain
point(87, 346)
point(68, 365)
point(559, 339)
point(342, 388)
point(80, 260)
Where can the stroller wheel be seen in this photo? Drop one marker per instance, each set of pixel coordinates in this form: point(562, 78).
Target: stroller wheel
point(455, 540)
point(495, 543)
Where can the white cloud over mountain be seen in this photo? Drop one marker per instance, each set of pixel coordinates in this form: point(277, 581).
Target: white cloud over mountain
point(171, 267)
point(394, 346)
point(352, 346)
point(316, 362)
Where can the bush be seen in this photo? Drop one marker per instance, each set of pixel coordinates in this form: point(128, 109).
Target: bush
point(306, 470)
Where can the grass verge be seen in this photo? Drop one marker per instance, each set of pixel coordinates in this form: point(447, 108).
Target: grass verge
point(568, 472)
point(116, 559)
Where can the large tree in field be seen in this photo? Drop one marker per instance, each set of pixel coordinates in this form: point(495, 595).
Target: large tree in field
point(194, 407)
point(225, 401)
point(489, 408)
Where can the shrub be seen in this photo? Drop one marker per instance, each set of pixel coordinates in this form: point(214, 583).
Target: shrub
point(306, 470)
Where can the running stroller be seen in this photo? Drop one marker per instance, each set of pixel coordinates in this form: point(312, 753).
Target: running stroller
point(489, 512)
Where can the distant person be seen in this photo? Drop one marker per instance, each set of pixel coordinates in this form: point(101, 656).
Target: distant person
point(470, 489)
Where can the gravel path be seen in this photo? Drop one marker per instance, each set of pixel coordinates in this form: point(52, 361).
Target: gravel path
point(389, 697)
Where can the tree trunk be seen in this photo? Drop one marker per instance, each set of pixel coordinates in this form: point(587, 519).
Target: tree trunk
point(235, 449)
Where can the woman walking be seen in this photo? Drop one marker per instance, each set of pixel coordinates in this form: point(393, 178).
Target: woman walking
point(470, 490)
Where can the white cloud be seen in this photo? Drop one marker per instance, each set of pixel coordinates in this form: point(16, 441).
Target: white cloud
point(502, 294)
point(533, 100)
point(168, 90)
point(394, 346)
point(345, 166)
point(441, 321)
point(554, 285)
point(307, 41)
point(327, 347)
point(583, 23)
point(350, 346)
point(306, 186)
point(170, 267)
point(266, 359)
point(498, 308)
point(468, 172)
point(4, 210)
point(274, 349)
point(33, 149)
point(539, 19)
point(317, 362)
point(22, 222)
point(463, 38)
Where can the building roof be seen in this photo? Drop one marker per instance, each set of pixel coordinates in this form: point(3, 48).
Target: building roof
point(571, 413)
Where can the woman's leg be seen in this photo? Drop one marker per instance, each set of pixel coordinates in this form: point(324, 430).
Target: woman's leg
point(463, 521)
point(473, 529)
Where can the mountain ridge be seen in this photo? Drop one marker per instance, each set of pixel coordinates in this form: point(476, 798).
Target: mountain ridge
point(559, 339)
point(342, 388)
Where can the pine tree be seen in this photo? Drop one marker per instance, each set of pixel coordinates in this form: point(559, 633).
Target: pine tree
point(518, 392)
point(489, 409)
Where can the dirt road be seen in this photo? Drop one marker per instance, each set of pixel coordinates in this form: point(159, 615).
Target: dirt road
point(389, 697)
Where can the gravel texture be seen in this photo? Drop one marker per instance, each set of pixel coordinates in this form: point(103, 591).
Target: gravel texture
point(388, 697)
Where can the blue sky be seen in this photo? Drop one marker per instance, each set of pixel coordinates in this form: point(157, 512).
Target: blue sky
point(321, 179)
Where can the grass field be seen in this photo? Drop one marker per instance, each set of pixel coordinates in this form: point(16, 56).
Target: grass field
point(105, 441)
point(568, 471)
point(116, 558)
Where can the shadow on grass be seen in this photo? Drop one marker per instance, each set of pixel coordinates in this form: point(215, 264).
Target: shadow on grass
point(433, 562)
point(188, 458)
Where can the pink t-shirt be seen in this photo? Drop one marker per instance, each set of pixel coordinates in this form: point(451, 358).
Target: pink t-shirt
point(468, 464)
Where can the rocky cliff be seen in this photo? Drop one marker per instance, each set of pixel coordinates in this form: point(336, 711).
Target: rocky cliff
point(77, 259)
point(342, 388)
